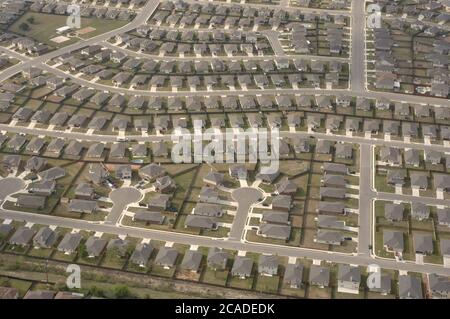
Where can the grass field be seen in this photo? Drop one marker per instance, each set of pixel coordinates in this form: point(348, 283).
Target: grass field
point(44, 27)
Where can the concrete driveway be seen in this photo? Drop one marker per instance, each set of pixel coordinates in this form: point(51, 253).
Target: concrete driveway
point(121, 198)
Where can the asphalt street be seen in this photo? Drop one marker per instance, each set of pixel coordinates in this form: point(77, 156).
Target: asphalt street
point(121, 198)
point(10, 185)
point(245, 197)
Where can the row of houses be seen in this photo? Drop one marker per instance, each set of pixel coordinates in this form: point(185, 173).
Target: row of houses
point(86, 11)
point(231, 16)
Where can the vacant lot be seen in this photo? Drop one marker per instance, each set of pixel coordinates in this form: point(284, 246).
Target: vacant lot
point(44, 27)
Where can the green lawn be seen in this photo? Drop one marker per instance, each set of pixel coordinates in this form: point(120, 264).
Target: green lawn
point(44, 27)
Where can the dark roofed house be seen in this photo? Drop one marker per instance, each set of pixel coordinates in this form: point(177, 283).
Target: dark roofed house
point(95, 246)
point(443, 215)
point(214, 178)
point(423, 243)
point(35, 164)
point(329, 237)
point(151, 172)
point(268, 265)
point(420, 211)
point(349, 279)
point(150, 217)
point(293, 275)
point(69, 244)
point(192, 260)
point(394, 212)
point(439, 286)
point(31, 201)
point(409, 287)
point(217, 258)
point(286, 187)
point(319, 276)
point(166, 257)
point(141, 254)
point(282, 202)
point(22, 237)
point(275, 231)
point(201, 222)
point(83, 206)
point(242, 267)
point(393, 241)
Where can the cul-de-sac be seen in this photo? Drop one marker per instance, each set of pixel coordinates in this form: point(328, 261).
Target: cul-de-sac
point(98, 96)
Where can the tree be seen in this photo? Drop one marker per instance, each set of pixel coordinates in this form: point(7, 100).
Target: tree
point(31, 20)
point(24, 26)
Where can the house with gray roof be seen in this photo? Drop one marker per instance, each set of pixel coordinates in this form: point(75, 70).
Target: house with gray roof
point(141, 254)
point(166, 257)
point(22, 237)
point(149, 217)
point(329, 237)
point(35, 164)
point(286, 187)
point(334, 168)
point(423, 243)
point(151, 172)
point(214, 178)
point(52, 174)
point(332, 192)
point(325, 207)
point(95, 150)
point(70, 242)
point(439, 286)
point(442, 182)
point(443, 215)
point(208, 209)
point(293, 275)
point(73, 149)
point(242, 267)
point(217, 258)
point(95, 246)
point(45, 238)
point(16, 143)
point(11, 162)
point(420, 211)
point(192, 260)
point(97, 173)
point(412, 157)
point(55, 147)
point(394, 212)
point(82, 206)
point(268, 265)
point(396, 177)
point(43, 188)
point(393, 241)
point(338, 181)
point(275, 217)
point(349, 279)
point(84, 191)
point(319, 276)
point(31, 201)
point(275, 231)
point(410, 287)
point(200, 222)
point(282, 203)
